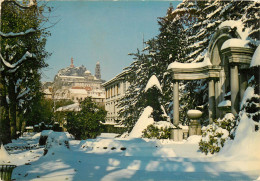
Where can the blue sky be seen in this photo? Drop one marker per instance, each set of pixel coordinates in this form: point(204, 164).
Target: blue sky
point(104, 31)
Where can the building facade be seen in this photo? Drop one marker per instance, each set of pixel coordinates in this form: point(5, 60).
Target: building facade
point(115, 89)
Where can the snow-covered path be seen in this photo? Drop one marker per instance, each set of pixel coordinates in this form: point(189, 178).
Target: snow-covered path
point(103, 159)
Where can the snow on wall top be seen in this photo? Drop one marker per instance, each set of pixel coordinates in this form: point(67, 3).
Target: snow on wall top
point(153, 82)
point(235, 42)
point(256, 58)
point(206, 62)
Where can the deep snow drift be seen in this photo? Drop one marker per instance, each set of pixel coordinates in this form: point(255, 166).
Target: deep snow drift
point(107, 158)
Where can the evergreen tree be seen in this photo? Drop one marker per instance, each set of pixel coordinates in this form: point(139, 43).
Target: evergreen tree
point(153, 60)
point(153, 97)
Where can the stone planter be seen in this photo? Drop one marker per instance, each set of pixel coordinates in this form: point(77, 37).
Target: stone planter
point(194, 114)
point(195, 127)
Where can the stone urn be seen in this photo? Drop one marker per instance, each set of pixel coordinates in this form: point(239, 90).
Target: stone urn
point(195, 127)
point(194, 114)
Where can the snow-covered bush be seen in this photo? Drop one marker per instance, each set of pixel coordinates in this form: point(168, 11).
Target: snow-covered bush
point(43, 137)
point(215, 135)
point(158, 130)
point(56, 140)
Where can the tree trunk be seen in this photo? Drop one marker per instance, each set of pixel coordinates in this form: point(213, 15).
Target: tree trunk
point(12, 113)
point(4, 117)
point(5, 126)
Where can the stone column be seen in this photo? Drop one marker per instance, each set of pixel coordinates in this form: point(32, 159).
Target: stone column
point(243, 83)
point(212, 106)
point(176, 103)
point(234, 85)
point(217, 97)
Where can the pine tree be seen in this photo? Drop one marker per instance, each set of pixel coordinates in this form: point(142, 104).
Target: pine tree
point(153, 96)
point(153, 60)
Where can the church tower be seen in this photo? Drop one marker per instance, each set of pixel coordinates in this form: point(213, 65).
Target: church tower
point(71, 63)
point(97, 71)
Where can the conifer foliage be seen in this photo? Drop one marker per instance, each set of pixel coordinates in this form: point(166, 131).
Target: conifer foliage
point(152, 60)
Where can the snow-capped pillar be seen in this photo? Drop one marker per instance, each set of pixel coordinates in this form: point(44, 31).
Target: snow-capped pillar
point(212, 103)
point(238, 57)
point(176, 103)
point(234, 82)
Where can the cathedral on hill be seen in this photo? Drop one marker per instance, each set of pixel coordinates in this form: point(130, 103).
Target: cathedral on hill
point(77, 83)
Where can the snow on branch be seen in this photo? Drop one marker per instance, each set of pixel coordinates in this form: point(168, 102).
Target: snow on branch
point(31, 3)
point(11, 34)
point(15, 65)
point(23, 93)
point(153, 82)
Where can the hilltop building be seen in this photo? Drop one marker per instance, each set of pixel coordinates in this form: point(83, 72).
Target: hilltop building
point(77, 83)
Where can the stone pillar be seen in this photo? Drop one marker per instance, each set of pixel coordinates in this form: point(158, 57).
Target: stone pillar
point(217, 97)
point(234, 85)
point(243, 83)
point(176, 103)
point(241, 56)
point(212, 106)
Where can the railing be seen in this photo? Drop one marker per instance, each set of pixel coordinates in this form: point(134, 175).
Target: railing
point(6, 172)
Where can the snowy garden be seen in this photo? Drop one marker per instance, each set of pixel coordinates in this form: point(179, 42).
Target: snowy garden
point(191, 111)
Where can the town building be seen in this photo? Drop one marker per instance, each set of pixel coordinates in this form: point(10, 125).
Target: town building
point(115, 90)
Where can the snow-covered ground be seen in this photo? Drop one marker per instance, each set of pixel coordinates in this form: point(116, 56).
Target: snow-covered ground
point(108, 158)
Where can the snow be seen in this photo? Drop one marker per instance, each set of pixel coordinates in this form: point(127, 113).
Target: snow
point(142, 123)
point(246, 143)
point(46, 132)
point(183, 127)
point(194, 139)
point(243, 32)
point(153, 82)
point(235, 42)
point(11, 34)
point(206, 62)
point(5, 158)
point(71, 107)
point(56, 140)
point(16, 65)
point(140, 159)
point(247, 94)
point(225, 103)
point(256, 58)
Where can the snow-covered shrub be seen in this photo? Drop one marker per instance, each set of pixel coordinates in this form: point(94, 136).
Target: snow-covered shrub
point(44, 136)
point(56, 140)
point(215, 135)
point(251, 100)
point(158, 130)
